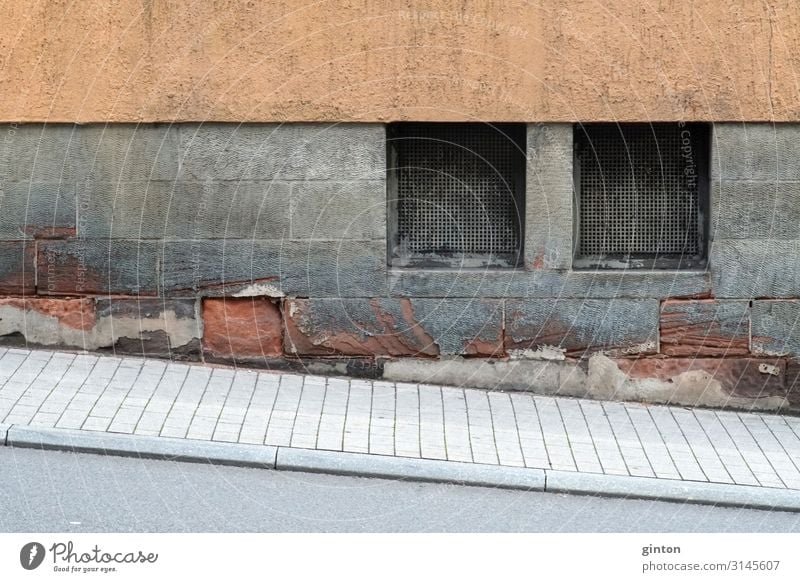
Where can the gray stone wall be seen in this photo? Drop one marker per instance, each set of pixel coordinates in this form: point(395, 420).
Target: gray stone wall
point(297, 214)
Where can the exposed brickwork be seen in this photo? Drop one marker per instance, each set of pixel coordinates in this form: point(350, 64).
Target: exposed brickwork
point(240, 329)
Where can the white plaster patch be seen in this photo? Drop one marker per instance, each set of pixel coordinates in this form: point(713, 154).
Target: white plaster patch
point(260, 290)
point(47, 330)
point(553, 353)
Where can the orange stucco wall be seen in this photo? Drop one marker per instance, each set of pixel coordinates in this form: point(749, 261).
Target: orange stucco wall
point(376, 60)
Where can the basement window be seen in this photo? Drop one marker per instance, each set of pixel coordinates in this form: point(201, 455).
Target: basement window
point(642, 195)
point(456, 194)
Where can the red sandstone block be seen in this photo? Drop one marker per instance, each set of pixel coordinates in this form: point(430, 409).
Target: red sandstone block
point(75, 314)
point(705, 328)
point(241, 328)
point(358, 327)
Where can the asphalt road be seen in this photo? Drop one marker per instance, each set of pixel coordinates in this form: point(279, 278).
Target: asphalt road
point(59, 492)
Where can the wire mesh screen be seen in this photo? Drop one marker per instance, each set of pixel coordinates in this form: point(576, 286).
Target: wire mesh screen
point(642, 191)
point(459, 189)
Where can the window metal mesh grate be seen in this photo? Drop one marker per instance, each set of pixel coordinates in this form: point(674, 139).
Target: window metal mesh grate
point(641, 191)
point(458, 191)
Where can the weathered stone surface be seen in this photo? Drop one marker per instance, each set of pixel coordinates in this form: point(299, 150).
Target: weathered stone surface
point(290, 152)
point(40, 153)
point(756, 151)
point(548, 203)
point(82, 267)
point(339, 210)
point(705, 328)
point(275, 268)
point(148, 327)
point(355, 327)
point(393, 327)
point(127, 152)
point(755, 210)
point(17, 267)
point(56, 153)
point(241, 329)
point(524, 375)
point(718, 382)
point(743, 269)
point(793, 384)
point(775, 328)
point(470, 327)
point(572, 327)
point(549, 284)
point(37, 210)
point(184, 210)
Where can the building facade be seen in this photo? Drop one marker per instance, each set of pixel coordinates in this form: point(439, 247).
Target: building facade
point(565, 198)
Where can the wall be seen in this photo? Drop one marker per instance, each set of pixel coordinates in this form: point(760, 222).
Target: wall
point(264, 244)
point(380, 60)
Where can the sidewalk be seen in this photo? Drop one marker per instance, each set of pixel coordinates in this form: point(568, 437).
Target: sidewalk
point(90, 402)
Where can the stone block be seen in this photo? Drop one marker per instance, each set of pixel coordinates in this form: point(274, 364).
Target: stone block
point(17, 267)
point(755, 210)
point(756, 151)
point(81, 267)
point(549, 197)
point(743, 269)
point(184, 210)
point(718, 382)
point(339, 210)
point(37, 210)
point(40, 153)
point(123, 152)
point(548, 284)
point(241, 329)
point(393, 327)
point(214, 151)
point(569, 327)
point(275, 268)
point(775, 328)
point(147, 327)
point(705, 328)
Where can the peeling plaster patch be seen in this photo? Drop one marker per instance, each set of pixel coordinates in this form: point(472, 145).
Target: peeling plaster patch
point(645, 348)
point(180, 330)
point(607, 381)
point(552, 353)
point(47, 330)
point(260, 290)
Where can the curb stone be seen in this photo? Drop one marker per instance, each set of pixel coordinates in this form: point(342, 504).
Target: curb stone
point(673, 490)
point(164, 448)
point(366, 465)
point(386, 467)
